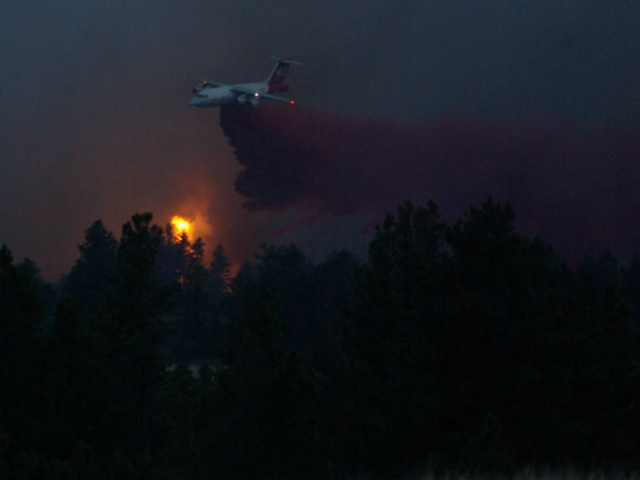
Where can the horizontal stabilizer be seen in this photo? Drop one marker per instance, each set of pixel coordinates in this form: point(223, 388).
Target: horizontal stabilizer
point(287, 60)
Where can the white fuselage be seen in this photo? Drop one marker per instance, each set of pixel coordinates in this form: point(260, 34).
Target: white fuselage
point(225, 95)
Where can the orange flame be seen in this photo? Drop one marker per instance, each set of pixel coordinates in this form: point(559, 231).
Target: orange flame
point(180, 225)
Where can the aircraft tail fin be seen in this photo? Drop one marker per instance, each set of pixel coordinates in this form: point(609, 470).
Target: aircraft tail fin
point(275, 80)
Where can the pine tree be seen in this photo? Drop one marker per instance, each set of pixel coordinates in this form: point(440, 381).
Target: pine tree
point(21, 355)
point(90, 278)
point(131, 328)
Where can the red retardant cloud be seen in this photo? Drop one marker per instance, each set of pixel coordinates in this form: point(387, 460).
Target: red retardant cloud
point(580, 193)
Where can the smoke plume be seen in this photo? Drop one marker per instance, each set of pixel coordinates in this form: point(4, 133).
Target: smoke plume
point(578, 192)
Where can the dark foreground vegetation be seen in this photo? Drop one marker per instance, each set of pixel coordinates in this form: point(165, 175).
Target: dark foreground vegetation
point(462, 347)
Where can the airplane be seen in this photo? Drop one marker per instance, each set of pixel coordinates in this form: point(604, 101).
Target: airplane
point(210, 93)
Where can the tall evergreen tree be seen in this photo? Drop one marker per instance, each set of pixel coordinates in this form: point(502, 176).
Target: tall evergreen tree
point(219, 271)
point(90, 278)
point(131, 328)
point(180, 264)
point(21, 356)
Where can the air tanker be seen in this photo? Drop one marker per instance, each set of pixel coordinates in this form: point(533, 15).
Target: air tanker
point(209, 93)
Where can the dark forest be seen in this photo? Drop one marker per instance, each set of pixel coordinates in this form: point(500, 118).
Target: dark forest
point(462, 347)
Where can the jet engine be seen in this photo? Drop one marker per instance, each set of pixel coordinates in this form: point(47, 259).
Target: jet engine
point(254, 102)
point(241, 99)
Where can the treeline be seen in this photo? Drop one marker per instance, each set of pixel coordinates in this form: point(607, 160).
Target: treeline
point(455, 347)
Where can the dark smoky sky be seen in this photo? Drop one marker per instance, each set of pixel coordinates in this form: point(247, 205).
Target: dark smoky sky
point(94, 122)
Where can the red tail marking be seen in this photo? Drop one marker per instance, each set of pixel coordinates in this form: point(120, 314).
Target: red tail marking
point(277, 77)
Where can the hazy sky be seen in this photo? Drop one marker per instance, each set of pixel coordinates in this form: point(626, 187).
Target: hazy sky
point(95, 124)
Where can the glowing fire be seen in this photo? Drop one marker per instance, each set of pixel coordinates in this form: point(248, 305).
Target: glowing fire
point(180, 226)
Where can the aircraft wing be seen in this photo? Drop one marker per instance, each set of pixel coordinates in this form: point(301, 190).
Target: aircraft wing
point(213, 83)
point(273, 97)
point(251, 92)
